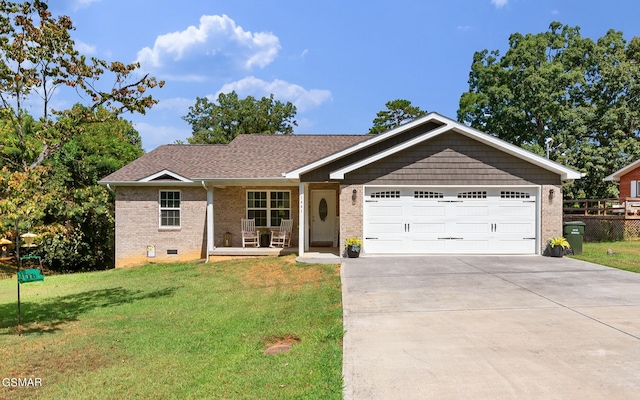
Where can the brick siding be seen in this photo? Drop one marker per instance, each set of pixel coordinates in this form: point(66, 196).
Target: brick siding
point(551, 214)
point(137, 222)
point(138, 226)
point(230, 207)
point(350, 214)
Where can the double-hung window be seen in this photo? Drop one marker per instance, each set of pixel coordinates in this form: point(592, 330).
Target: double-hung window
point(169, 208)
point(267, 207)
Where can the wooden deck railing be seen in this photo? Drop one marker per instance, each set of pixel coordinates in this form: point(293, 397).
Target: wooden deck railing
point(622, 208)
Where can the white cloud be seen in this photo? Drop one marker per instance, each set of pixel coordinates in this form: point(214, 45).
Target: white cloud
point(179, 105)
point(85, 48)
point(216, 37)
point(182, 77)
point(499, 3)
point(79, 4)
point(302, 98)
point(463, 28)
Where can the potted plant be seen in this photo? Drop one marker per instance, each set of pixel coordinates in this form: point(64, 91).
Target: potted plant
point(353, 246)
point(557, 246)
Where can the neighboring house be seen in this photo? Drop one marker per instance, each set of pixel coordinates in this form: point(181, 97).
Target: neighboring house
point(610, 219)
point(629, 178)
point(430, 186)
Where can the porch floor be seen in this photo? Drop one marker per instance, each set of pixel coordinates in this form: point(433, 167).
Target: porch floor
point(313, 255)
point(253, 251)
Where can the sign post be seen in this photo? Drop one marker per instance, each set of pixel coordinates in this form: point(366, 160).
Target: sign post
point(17, 272)
point(29, 275)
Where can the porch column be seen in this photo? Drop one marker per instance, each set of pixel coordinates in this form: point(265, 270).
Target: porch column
point(303, 240)
point(210, 234)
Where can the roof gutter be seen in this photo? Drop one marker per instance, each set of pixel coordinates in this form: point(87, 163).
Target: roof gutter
point(204, 181)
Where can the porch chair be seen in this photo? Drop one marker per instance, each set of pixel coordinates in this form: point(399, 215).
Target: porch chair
point(282, 237)
point(249, 233)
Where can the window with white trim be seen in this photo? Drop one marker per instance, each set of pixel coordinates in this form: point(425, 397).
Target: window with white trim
point(268, 207)
point(169, 208)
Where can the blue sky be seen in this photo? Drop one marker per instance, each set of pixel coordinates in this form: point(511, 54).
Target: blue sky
point(339, 62)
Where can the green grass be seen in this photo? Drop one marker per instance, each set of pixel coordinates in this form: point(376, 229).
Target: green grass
point(184, 331)
point(624, 255)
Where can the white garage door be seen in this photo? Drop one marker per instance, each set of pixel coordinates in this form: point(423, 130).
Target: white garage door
point(450, 220)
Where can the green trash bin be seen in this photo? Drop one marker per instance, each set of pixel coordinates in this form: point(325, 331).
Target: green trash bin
point(574, 233)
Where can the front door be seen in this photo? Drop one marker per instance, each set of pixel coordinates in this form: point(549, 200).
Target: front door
point(323, 217)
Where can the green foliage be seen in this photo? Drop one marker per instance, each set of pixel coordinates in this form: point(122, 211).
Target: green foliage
point(38, 59)
point(558, 85)
point(354, 243)
point(61, 201)
point(559, 241)
point(222, 122)
point(49, 166)
point(397, 112)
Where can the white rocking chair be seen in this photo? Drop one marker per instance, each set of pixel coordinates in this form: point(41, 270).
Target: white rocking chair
point(282, 237)
point(249, 233)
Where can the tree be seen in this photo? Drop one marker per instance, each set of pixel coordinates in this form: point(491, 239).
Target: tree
point(579, 95)
point(78, 214)
point(38, 60)
point(222, 122)
point(73, 215)
point(397, 113)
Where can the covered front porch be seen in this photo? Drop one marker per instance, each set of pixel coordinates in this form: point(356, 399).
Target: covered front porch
point(313, 207)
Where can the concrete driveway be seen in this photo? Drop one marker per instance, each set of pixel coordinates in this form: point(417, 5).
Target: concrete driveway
point(489, 327)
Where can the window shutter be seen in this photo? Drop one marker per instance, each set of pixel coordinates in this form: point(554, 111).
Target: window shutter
point(634, 187)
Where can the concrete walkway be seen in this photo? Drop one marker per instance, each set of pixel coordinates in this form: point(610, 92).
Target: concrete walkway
point(489, 327)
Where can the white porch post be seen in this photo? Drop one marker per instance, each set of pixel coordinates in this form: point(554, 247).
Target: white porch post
point(302, 215)
point(210, 234)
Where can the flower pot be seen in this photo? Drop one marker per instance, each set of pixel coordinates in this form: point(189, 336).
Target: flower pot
point(352, 253)
point(556, 251)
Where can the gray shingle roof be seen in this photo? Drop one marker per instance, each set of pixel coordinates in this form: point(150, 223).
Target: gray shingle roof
point(246, 157)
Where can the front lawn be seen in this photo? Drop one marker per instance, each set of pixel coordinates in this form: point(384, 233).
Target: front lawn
point(623, 255)
point(187, 330)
